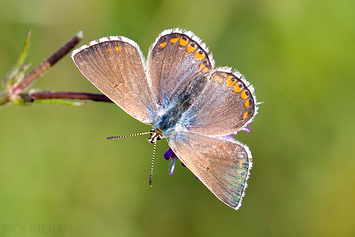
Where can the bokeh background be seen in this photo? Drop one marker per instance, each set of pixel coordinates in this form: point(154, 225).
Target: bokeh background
point(60, 177)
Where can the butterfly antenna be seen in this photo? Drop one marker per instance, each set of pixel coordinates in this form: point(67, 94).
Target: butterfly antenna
point(130, 135)
point(151, 168)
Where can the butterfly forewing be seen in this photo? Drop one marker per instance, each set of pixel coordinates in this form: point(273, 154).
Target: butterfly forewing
point(115, 66)
point(222, 164)
point(175, 60)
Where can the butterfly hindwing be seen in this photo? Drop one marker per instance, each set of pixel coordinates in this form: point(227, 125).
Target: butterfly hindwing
point(226, 104)
point(222, 164)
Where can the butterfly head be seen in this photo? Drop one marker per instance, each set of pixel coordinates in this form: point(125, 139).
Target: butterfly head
point(155, 135)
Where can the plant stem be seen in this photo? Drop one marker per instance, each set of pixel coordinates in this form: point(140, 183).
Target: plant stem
point(42, 95)
point(44, 66)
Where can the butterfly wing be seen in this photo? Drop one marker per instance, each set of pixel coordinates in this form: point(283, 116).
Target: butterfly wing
point(115, 66)
point(212, 102)
point(177, 60)
point(226, 104)
point(222, 164)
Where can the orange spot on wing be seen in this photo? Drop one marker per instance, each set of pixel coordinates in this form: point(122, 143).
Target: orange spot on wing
point(247, 103)
point(162, 45)
point(174, 40)
point(245, 115)
point(118, 48)
point(217, 78)
point(199, 55)
point(244, 95)
point(203, 67)
point(229, 81)
point(183, 42)
point(237, 88)
point(190, 48)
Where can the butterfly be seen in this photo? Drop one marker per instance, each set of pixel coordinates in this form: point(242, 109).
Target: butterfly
point(178, 91)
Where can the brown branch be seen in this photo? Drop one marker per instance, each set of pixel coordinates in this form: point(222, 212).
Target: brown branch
point(42, 95)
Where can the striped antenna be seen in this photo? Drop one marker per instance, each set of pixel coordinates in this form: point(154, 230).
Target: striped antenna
point(151, 168)
point(130, 135)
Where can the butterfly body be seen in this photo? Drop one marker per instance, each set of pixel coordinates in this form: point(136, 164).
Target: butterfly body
point(195, 106)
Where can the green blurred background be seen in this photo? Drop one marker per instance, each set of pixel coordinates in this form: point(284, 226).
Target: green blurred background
point(57, 170)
